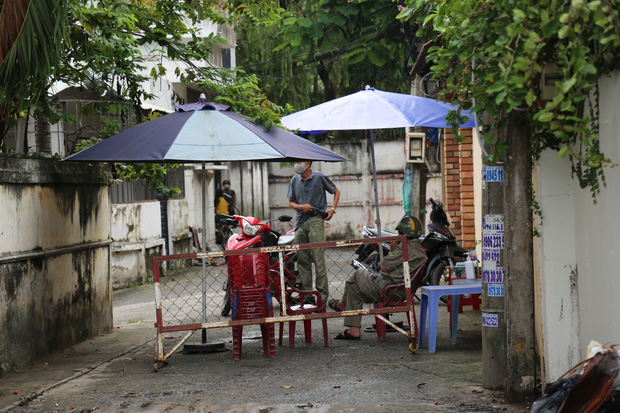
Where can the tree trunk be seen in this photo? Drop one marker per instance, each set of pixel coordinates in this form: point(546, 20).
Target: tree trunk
point(519, 299)
point(43, 136)
point(330, 90)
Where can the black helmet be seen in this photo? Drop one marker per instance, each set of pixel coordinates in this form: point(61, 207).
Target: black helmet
point(409, 226)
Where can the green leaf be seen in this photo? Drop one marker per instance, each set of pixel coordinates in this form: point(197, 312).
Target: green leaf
point(569, 84)
point(564, 32)
point(564, 152)
point(518, 14)
point(500, 97)
point(496, 87)
point(594, 5)
point(296, 39)
point(305, 22)
point(530, 97)
point(376, 60)
point(544, 116)
point(588, 68)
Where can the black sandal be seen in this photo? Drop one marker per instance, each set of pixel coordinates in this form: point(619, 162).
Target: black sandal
point(346, 336)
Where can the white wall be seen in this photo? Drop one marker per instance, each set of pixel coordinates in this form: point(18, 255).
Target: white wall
point(136, 230)
point(597, 228)
point(578, 273)
point(137, 236)
point(558, 261)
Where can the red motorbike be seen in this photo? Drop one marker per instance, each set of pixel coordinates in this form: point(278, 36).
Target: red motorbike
point(262, 268)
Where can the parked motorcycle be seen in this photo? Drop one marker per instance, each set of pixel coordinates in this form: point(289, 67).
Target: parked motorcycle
point(440, 245)
point(256, 234)
point(224, 230)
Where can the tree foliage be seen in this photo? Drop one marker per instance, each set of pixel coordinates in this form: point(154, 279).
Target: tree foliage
point(99, 46)
point(31, 44)
point(317, 50)
point(492, 55)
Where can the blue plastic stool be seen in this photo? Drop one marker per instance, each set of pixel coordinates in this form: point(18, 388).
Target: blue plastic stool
point(430, 302)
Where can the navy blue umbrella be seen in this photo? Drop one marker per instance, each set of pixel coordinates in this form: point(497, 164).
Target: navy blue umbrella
point(204, 132)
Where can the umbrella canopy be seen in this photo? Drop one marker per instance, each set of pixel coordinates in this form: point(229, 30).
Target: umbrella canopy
point(203, 132)
point(373, 109)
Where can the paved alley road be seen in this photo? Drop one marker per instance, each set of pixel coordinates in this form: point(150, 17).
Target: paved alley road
point(114, 373)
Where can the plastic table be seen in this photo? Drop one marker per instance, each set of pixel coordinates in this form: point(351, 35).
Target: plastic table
point(430, 303)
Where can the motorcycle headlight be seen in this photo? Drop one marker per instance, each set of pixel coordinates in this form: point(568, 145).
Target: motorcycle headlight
point(249, 229)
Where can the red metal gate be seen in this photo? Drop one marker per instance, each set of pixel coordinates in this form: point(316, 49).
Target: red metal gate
point(190, 290)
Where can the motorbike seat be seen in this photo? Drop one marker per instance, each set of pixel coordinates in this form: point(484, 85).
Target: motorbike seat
point(441, 229)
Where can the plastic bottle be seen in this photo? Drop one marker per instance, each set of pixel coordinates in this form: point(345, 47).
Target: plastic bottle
point(469, 268)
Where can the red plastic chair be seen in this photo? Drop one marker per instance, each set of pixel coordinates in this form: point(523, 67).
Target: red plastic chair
point(394, 296)
point(300, 309)
point(251, 298)
point(474, 299)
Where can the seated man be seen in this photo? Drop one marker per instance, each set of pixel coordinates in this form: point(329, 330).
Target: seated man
point(364, 287)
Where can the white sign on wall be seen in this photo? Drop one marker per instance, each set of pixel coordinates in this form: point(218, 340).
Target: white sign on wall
point(492, 244)
point(495, 290)
point(490, 320)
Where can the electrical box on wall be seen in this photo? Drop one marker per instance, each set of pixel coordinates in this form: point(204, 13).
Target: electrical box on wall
point(415, 147)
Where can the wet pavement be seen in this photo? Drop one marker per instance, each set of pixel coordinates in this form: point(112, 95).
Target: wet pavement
point(114, 372)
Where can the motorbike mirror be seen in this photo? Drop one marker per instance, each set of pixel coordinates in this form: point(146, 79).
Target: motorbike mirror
point(284, 218)
point(228, 198)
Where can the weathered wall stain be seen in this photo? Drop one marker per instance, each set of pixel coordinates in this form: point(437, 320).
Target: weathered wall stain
point(54, 257)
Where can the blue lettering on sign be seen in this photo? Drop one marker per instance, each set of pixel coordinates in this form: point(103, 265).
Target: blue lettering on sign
point(493, 241)
point(489, 320)
point(495, 290)
point(490, 255)
point(493, 276)
point(495, 174)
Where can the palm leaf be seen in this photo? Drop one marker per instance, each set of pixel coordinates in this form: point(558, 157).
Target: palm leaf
point(30, 45)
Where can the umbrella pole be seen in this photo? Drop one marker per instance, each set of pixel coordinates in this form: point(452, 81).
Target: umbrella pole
point(374, 181)
point(204, 249)
point(204, 346)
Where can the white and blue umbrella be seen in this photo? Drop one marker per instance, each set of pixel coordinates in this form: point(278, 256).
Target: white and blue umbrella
point(203, 132)
point(371, 109)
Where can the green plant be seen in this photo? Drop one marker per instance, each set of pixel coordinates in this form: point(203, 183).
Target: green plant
point(492, 56)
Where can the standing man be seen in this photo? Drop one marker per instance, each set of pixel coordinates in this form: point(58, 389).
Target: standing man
point(231, 192)
point(306, 195)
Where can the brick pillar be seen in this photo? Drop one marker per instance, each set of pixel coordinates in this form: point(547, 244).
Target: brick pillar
point(458, 172)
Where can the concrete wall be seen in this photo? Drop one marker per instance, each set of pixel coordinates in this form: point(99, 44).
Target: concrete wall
point(54, 257)
point(136, 232)
point(578, 272)
point(137, 235)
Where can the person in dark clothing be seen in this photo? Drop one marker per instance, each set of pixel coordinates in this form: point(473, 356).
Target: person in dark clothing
point(364, 286)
